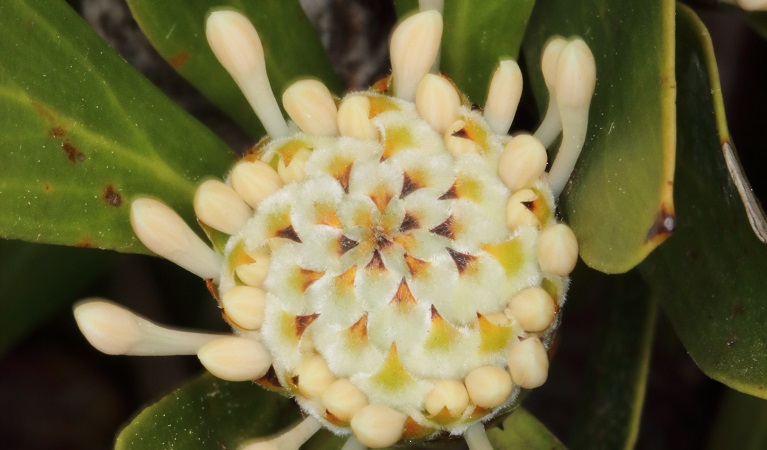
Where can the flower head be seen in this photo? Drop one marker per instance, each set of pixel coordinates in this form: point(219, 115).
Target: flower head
point(391, 259)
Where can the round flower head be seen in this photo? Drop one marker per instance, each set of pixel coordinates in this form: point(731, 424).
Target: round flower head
point(391, 259)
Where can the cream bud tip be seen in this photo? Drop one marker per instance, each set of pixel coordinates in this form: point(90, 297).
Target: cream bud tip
point(414, 47)
point(115, 330)
point(235, 358)
point(437, 101)
point(218, 206)
point(576, 75)
point(503, 96)
point(234, 41)
point(164, 232)
point(378, 426)
point(311, 106)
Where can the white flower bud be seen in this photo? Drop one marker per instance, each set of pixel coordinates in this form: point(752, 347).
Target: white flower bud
point(235, 358)
point(313, 376)
point(354, 118)
point(517, 213)
point(488, 386)
point(114, 330)
point(378, 426)
point(437, 101)
point(557, 250)
point(528, 363)
point(294, 172)
point(311, 106)
point(450, 394)
point(343, 399)
point(254, 181)
point(219, 206)
point(414, 47)
point(164, 232)
point(503, 96)
point(533, 308)
point(244, 305)
point(522, 162)
point(238, 48)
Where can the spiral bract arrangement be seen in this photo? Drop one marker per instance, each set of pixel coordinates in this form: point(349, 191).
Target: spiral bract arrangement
point(391, 260)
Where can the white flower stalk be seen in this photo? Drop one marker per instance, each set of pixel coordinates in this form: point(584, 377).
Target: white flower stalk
point(116, 331)
point(238, 48)
point(396, 267)
point(503, 96)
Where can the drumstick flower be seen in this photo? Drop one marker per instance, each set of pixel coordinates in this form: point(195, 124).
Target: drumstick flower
point(392, 259)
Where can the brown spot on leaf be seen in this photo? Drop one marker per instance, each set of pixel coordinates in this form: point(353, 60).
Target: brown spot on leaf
point(47, 187)
point(408, 223)
point(43, 111)
point(84, 243)
point(179, 60)
point(663, 226)
point(57, 132)
point(462, 260)
point(345, 244)
point(302, 322)
point(111, 197)
point(73, 154)
point(445, 229)
point(288, 233)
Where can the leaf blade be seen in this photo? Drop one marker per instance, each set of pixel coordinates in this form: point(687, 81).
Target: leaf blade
point(177, 30)
point(619, 201)
point(716, 303)
point(83, 133)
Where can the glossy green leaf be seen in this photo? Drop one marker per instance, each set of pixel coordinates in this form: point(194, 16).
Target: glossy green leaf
point(710, 277)
point(611, 401)
point(82, 133)
point(292, 50)
point(37, 281)
point(521, 430)
point(619, 200)
point(476, 37)
point(209, 413)
point(739, 423)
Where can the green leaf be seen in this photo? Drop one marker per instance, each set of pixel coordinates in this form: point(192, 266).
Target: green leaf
point(611, 401)
point(208, 413)
point(523, 431)
point(476, 37)
point(619, 200)
point(291, 48)
point(740, 423)
point(82, 134)
point(37, 281)
point(710, 277)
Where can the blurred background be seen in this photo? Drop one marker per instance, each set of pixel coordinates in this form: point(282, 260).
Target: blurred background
point(57, 392)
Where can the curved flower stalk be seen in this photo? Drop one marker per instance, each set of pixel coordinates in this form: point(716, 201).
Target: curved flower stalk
point(391, 260)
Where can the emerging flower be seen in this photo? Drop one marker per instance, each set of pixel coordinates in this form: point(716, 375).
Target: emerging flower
point(392, 259)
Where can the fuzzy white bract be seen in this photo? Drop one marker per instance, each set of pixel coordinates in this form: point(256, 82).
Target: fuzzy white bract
point(391, 260)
